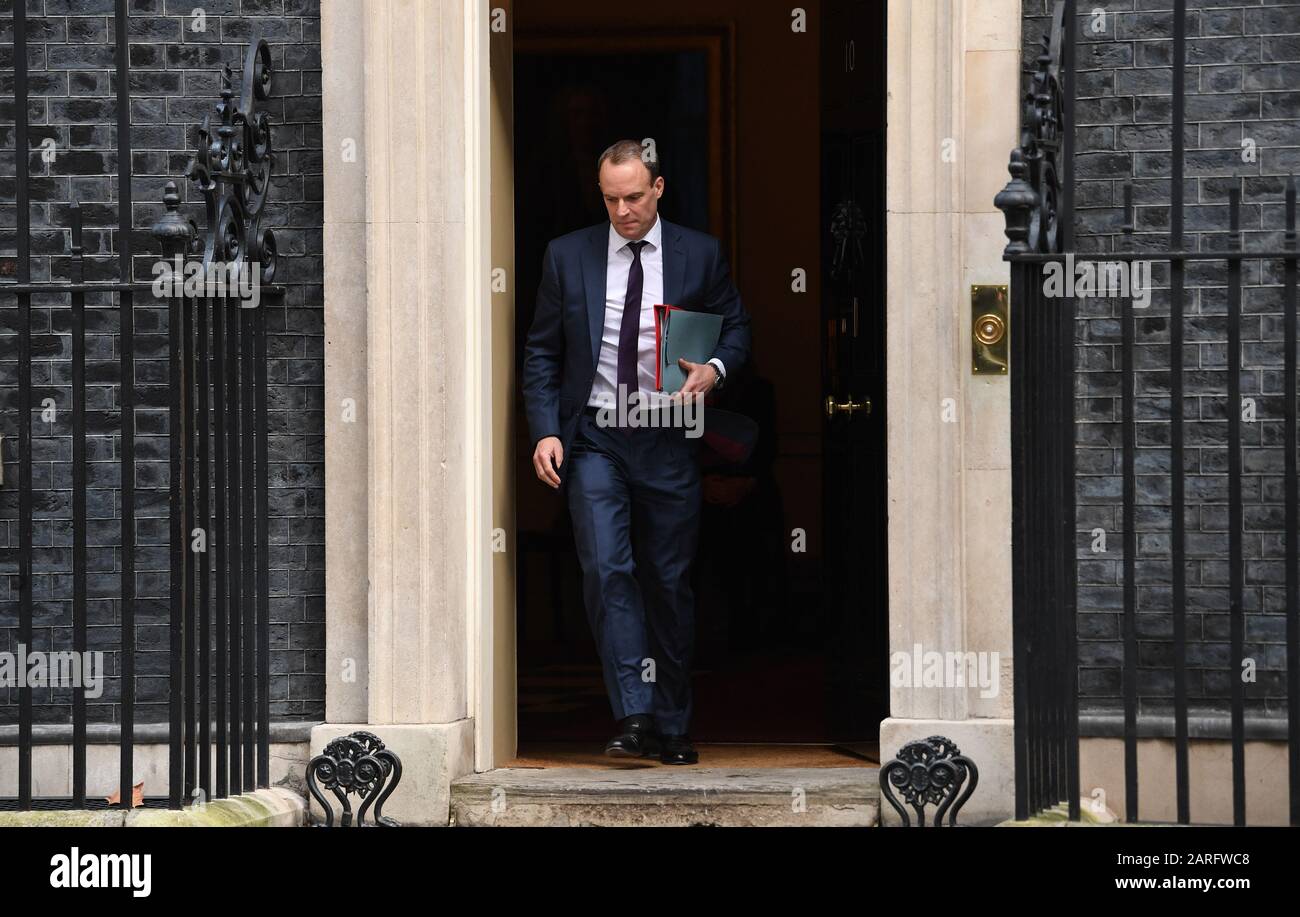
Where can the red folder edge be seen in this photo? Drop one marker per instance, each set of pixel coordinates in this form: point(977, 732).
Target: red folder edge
point(660, 309)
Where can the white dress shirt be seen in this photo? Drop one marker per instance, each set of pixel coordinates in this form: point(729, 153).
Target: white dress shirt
point(618, 266)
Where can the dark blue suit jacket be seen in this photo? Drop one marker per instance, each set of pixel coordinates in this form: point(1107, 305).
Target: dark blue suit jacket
point(563, 345)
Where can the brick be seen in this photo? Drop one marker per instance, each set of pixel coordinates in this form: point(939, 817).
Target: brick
point(1239, 66)
point(173, 80)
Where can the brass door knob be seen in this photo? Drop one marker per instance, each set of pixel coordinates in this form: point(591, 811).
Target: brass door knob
point(849, 407)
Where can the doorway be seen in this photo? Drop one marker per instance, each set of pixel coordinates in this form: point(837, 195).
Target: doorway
point(771, 139)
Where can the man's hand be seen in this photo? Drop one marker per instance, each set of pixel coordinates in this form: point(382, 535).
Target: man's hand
point(700, 377)
point(548, 450)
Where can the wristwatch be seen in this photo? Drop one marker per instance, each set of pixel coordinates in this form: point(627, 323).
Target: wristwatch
point(718, 373)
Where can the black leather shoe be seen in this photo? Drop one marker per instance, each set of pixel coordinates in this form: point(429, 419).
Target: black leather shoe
point(636, 738)
point(678, 749)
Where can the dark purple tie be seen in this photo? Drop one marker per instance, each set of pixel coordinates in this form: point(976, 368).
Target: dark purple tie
point(629, 337)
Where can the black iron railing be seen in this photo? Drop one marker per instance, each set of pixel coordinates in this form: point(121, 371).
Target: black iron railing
point(1039, 207)
point(217, 502)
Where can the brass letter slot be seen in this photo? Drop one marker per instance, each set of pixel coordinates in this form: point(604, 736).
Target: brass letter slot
point(990, 329)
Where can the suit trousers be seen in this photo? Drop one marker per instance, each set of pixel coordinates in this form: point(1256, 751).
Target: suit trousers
point(634, 497)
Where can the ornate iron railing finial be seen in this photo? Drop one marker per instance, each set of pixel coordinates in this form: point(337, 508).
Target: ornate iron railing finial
point(1033, 219)
point(232, 169)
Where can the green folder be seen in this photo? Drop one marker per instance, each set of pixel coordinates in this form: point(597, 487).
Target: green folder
point(680, 333)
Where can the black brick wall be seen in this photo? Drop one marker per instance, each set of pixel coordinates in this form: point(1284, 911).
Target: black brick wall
point(1243, 82)
point(174, 82)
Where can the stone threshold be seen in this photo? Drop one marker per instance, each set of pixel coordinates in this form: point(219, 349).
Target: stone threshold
point(646, 795)
point(275, 807)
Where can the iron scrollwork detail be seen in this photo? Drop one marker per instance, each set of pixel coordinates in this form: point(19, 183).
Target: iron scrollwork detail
point(1031, 199)
point(356, 764)
point(232, 169)
point(931, 771)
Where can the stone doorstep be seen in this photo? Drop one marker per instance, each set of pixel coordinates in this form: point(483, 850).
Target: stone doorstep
point(276, 807)
point(666, 796)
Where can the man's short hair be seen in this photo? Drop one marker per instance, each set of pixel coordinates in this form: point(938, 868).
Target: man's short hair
point(626, 150)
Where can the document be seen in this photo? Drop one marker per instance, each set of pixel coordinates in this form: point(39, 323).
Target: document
point(681, 333)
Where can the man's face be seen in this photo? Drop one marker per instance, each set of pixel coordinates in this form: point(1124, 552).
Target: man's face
point(630, 198)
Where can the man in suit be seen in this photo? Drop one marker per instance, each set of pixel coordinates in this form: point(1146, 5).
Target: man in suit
point(633, 491)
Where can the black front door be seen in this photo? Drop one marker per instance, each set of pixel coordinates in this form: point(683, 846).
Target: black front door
point(853, 330)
